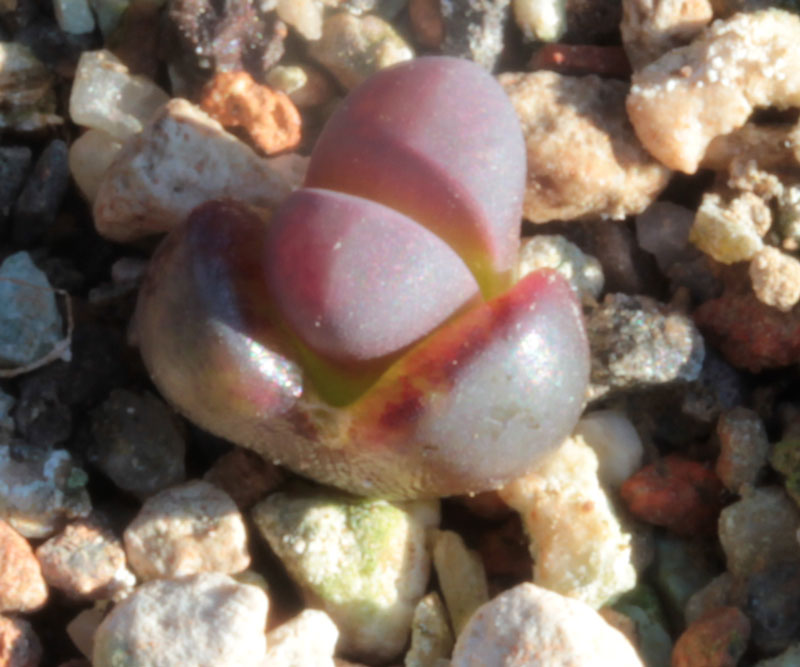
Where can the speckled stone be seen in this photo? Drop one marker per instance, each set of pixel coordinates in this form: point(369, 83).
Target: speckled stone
point(85, 561)
point(362, 560)
point(22, 587)
point(636, 342)
point(431, 637)
point(759, 531)
point(773, 606)
point(187, 529)
point(19, 645)
point(39, 490)
point(473, 29)
point(138, 443)
point(206, 619)
point(743, 448)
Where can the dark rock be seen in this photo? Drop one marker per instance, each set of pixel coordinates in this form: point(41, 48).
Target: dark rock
point(773, 606)
point(720, 387)
point(41, 416)
point(14, 164)
point(40, 200)
point(54, 47)
point(474, 29)
point(138, 443)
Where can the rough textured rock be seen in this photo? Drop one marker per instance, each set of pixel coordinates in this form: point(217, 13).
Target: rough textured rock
point(363, 561)
point(533, 627)
point(307, 639)
point(584, 160)
point(208, 620)
point(185, 530)
point(22, 587)
point(181, 159)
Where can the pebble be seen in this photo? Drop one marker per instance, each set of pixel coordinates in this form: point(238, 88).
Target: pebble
point(106, 96)
point(138, 443)
point(718, 639)
point(662, 229)
point(744, 448)
point(541, 21)
point(74, 16)
point(461, 577)
point(679, 494)
point(40, 200)
point(427, 22)
point(85, 561)
point(723, 590)
point(642, 606)
point(19, 645)
point(773, 606)
point(14, 164)
point(22, 587)
point(39, 490)
point(681, 568)
point(187, 529)
point(109, 13)
point(474, 29)
point(205, 619)
point(28, 99)
point(759, 531)
point(181, 159)
point(306, 86)
point(307, 640)
point(353, 48)
point(431, 637)
point(719, 387)
point(582, 271)
point(638, 342)
point(579, 545)
point(363, 561)
point(750, 334)
point(82, 628)
point(775, 277)
point(42, 418)
point(731, 231)
point(268, 117)
point(531, 626)
point(245, 476)
point(607, 174)
point(305, 16)
point(615, 441)
point(90, 157)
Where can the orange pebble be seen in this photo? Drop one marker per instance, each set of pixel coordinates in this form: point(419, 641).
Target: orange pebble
point(268, 116)
point(679, 494)
point(718, 639)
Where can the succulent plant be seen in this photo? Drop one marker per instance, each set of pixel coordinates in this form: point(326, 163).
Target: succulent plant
point(371, 334)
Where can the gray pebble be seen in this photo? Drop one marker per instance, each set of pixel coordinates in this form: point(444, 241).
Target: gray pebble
point(30, 323)
point(474, 29)
point(138, 443)
point(40, 199)
point(773, 606)
point(14, 164)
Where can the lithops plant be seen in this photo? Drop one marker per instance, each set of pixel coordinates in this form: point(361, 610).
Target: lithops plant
point(371, 334)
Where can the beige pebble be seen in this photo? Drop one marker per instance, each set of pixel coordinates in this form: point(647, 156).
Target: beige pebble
point(181, 159)
point(187, 529)
point(85, 561)
point(529, 626)
point(584, 160)
point(775, 277)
